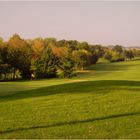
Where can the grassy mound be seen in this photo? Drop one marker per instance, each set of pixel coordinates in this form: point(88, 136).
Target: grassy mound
point(100, 103)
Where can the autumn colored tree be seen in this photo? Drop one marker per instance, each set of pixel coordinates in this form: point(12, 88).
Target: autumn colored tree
point(19, 56)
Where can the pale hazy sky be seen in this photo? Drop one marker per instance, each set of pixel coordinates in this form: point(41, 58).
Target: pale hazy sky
point(99, 22)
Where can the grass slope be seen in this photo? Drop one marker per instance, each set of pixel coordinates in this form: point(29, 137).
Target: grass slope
point(103, 102)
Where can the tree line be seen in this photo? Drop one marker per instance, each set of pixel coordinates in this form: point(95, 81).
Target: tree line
point(48, 57)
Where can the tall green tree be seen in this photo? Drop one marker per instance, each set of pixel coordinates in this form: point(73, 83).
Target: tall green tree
point(5, 68)
point(129, 54)
point(118, 49)
point(81, 58)
point(46, 66)
point(108, 55)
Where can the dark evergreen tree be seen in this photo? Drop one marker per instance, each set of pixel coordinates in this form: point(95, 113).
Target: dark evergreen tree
point(46, 65)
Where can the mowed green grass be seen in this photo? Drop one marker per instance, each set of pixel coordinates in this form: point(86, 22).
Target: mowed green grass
point(103, 102)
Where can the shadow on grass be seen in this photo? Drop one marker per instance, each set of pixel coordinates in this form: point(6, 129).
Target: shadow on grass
point(72, 122)
point(94, 87)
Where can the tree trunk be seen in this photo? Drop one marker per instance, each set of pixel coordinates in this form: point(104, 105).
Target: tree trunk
point(14, 73)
